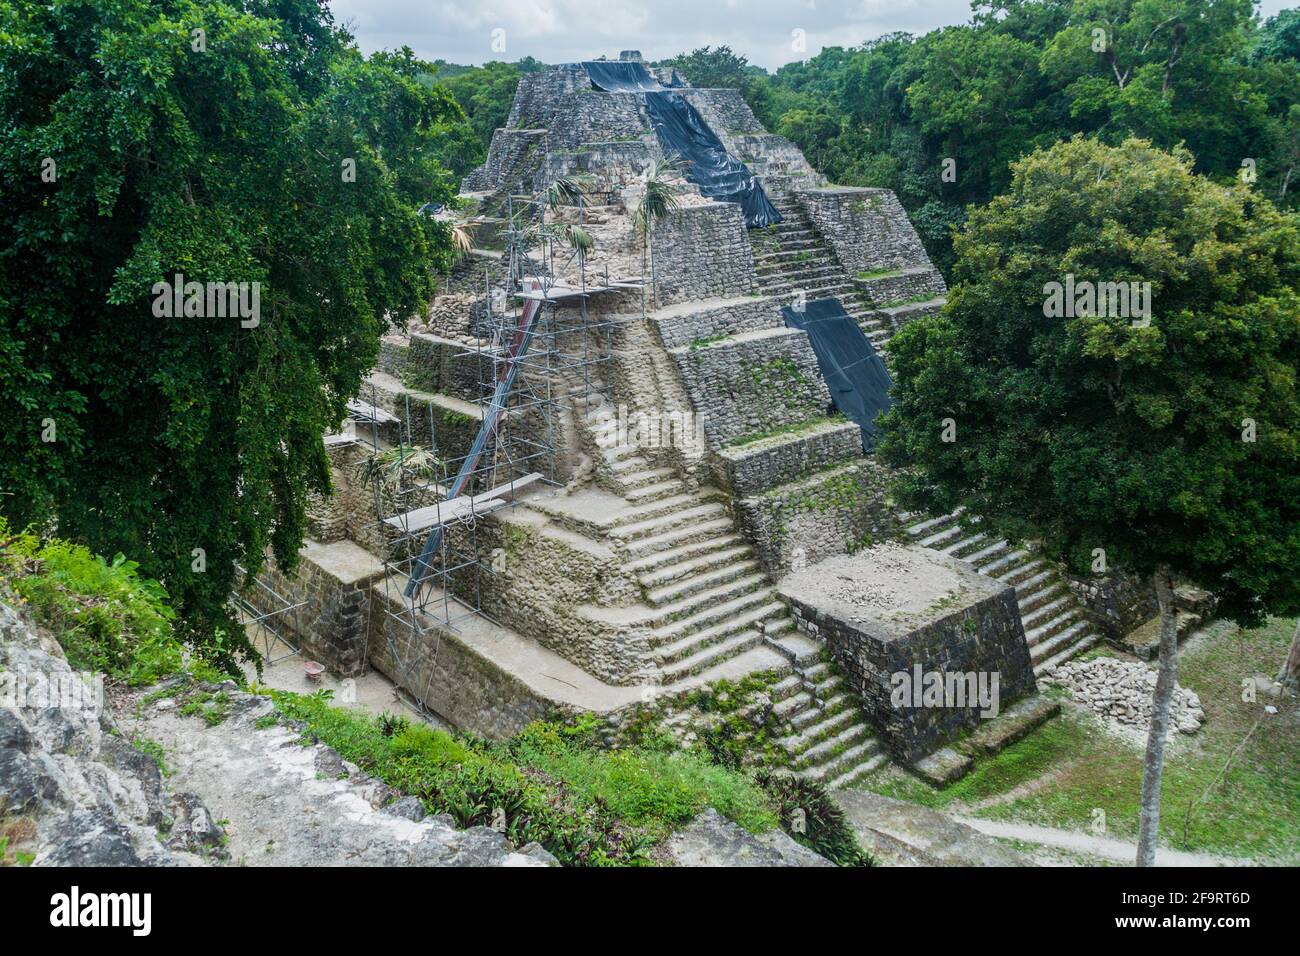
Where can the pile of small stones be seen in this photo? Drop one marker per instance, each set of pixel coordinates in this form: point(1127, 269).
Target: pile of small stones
point(1121, 691)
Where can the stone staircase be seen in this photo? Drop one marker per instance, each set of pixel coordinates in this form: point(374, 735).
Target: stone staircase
point(791, 257)
point(707, 602)
point(1056, 627)
point(829, 740)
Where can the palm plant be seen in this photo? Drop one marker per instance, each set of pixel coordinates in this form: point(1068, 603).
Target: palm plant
point(462, 237)
point(569, 191)
point(392, 465)
point(657, 202)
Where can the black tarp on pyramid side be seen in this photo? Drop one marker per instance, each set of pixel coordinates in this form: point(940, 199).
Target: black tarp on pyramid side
point(856, 376)
point(621, 76)
point(682, 130)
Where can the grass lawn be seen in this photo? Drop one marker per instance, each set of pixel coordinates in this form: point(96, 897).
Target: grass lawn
point(1071, 765)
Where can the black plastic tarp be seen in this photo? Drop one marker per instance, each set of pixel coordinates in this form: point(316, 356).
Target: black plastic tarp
point(621, 76)
point(682, 131)
point(856, 376)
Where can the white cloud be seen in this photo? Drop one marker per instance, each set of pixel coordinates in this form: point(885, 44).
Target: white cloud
point(563, 31)
point(560, 31)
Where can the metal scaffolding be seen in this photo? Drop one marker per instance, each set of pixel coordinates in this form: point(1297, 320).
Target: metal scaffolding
point(259, 608)
point(538, 350)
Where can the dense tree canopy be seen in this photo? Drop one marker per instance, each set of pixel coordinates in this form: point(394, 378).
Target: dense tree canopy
point(1172, 443)
point(231, 143)
point(1024, 74)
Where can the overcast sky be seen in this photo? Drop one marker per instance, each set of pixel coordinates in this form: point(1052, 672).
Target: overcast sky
point(562, 31)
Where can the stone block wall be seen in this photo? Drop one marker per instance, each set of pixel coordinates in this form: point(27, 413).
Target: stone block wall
point(615, 164)
point(536, 584)
point(980, 635)
point(680, 327)
point(511, 150)
point(449, 424)
point(436, 364)
point(1117, 602)
point(702, 252)
point(538, 95)
point(835, 511)
point(333, 584)
point(457, 683)
point(749, 387)
point(750, 469)
point(867, 228)
point(903, 285)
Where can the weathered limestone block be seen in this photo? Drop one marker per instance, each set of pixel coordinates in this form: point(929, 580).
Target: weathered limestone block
point(745, 387)
point(752, 468)
point(901, 620)
point(702, 252)
point(840, 509)
point(332, 583)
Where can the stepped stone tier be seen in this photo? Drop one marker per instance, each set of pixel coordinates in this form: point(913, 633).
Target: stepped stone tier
point(691, 469)
point(933, 647)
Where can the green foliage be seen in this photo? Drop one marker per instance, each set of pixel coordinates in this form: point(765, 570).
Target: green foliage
point(588, 806)
point(212, 706)
point(1095, 432)
point(650, 789)
point(403, 463)
point(660, 197)
point(226, 165)
point(812, 818)
point(154, 751)
point(105, 614)
point(1245, 810)
point(1022, 75)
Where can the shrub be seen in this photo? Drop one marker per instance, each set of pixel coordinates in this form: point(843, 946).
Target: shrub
point(825, 829)
point(105, 615)
point(550, 784)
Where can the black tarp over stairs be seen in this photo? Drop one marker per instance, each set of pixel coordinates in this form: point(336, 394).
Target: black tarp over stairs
point(681, 130)
point(856, 376)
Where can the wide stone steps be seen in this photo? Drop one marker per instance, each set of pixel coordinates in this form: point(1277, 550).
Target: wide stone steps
point(787, 256)
point(667, 521)
point(655, 561)
point(795, 270)
point(1031, 599)
point(677, 591)
point(854, 764)
point(735, 615)
point(634, 480)
point(691, 567)
point(1055, 625)
point(702, 606)
point(706, 649)
point(698, 531)
point(810, 713)
point(827, 737)
point(659, 491)
point(816, 732)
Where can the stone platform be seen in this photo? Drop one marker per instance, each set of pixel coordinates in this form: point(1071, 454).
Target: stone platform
point(932, 647)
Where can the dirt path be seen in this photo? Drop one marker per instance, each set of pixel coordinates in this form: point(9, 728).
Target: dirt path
point(1105, 847)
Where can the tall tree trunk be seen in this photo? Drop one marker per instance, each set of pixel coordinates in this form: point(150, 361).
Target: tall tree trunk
point(1289, 675)
point(1161, 705)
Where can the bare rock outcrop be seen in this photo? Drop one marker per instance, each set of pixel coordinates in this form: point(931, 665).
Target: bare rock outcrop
point(73, 789)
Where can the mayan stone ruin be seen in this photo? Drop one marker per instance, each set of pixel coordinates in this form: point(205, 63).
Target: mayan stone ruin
point(614, 463)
